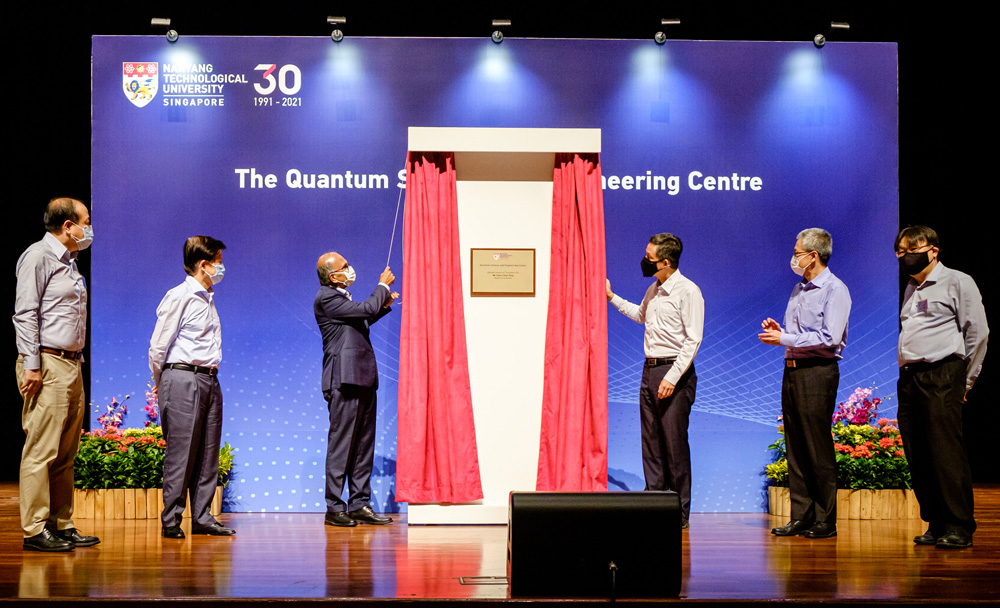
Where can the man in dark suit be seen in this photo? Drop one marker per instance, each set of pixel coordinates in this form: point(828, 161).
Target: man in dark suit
point(350, 379)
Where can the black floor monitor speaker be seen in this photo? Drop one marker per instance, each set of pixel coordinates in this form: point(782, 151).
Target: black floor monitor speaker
point(594, 544)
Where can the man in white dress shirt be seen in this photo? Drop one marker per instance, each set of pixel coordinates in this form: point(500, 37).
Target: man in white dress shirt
point(942, 343)
point(184, 356)
point(673, 311)
point(50, 323)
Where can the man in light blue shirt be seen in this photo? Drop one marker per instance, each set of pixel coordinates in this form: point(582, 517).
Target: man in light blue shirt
point(184, 356)
point(942, 342)
point(814, 336)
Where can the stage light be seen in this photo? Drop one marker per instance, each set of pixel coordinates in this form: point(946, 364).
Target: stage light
point(172, 35)
point(336, 35)
point(661, 37)
point(820, 39)
point(497, 34)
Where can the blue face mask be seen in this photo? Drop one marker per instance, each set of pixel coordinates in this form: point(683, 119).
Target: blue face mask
point(220, 271)
point(88, 236)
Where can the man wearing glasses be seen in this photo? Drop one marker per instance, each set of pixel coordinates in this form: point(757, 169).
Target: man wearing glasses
point(814, 336)
point(942, 342)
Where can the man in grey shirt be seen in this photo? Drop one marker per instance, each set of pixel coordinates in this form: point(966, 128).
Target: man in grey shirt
point(942, 342)
point(50, 321)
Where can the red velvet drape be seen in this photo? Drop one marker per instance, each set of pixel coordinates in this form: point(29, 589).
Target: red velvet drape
point(437, 460)
point(573, 454)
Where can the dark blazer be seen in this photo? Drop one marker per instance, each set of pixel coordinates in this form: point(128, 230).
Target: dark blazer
point(348, 357)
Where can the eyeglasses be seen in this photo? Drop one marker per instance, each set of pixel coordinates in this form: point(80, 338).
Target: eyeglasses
point(913, 249)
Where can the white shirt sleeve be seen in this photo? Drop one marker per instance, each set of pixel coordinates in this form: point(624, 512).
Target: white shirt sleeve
point(693, 318)
point(168, 318)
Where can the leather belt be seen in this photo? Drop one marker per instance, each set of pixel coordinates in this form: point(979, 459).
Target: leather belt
point(810, 362)
point(655, 361)
point(923, 366)
point(72, 355)
point(197, 369)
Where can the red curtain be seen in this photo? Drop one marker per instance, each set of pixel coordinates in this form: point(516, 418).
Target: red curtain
point(437, 460)
point(573, 454)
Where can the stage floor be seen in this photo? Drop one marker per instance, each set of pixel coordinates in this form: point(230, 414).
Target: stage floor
point(726, 557)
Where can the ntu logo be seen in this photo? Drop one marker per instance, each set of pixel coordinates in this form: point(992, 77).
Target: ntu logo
point(140, 81)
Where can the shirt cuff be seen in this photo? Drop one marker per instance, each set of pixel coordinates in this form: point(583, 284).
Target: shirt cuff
point(32, 362)
point(386, 287)
point(616, 300)
point(786, 339)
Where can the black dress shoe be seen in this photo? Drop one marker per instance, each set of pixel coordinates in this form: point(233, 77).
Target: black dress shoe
point(954, 540)
point(78, 540)
point(365, 515)
point(173, 532)
point(46, 541)
point(927, 538)
point(339, 519)
point(822, 529)
point(215, 529)
point(796, 526)
point(684, 524)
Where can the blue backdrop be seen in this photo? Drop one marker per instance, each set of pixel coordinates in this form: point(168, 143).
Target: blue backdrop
point(285, 148)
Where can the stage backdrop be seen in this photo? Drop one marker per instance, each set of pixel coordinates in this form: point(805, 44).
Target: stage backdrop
point(285, 148)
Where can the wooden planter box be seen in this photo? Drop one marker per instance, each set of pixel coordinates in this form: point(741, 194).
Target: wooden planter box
point(129, 504)
point(855, 504)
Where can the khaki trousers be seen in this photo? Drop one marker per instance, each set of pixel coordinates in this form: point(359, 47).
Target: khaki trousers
point(52, 420)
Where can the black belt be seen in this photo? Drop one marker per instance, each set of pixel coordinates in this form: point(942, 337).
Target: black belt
point(923, 366)
point(810, 362)
point(654, 361)
point(72, 355)
point(184, 367)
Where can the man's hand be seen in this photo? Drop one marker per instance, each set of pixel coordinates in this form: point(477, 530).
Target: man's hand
point(770, 336)
point(32, 382)
point(393, 296)
point(611, 294)
point(772, 332)
point(387, 277)
point(156, 390)
point(666, 389)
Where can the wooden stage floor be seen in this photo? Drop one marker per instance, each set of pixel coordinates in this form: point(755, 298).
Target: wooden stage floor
point(727, 557)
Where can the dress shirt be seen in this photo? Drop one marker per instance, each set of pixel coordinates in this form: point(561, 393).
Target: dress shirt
point(816, 318)
point(943, 316)
point(674, 314)
point(50, 302)
point(187, 329)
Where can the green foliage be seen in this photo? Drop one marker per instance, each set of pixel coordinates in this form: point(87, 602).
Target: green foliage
point(225, 464)
point(132, 458)
point(869, 456)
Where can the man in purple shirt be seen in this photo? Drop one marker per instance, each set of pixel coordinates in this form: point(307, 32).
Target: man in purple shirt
point(814, 335)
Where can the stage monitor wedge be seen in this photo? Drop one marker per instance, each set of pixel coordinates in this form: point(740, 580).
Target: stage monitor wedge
point(563, 544)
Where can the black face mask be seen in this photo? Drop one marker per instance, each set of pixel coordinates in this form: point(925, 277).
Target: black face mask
point(649, 267)
point(914, 263)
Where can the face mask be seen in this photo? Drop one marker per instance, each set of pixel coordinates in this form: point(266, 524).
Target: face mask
point(914, 263)
point(88, 236)
point(220, 271)
point(798, 269)
point(349, 276)
point(649, 267)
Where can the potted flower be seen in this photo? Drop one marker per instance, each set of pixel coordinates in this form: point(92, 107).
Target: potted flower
point(873, 477)
point(118, 473)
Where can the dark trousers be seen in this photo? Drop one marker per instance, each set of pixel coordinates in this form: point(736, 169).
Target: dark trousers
point(350, 447)
point(931, 397)
point(808, 398)
point(666, 455)
point(191, 409)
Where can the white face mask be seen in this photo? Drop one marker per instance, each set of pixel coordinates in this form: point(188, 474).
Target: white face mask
point(795, 265)
point(220, 271)
point(88, 236)
point(349, 276)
